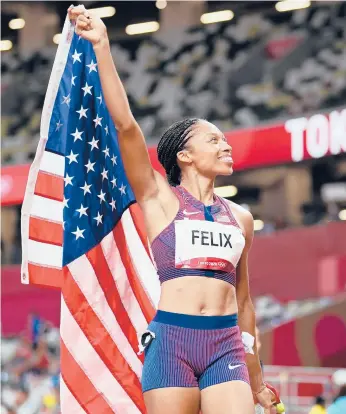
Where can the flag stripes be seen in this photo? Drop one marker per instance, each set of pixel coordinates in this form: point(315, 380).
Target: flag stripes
point(82, 232)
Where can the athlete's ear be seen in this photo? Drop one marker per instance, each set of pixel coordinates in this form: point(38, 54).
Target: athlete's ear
point(184, 157)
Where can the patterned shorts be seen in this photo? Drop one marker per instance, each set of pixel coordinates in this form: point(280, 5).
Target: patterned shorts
point(192, 351)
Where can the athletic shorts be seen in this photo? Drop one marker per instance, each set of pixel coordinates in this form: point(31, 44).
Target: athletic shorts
point(192, 351)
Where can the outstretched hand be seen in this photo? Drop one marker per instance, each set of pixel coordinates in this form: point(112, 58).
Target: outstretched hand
point(88, 25)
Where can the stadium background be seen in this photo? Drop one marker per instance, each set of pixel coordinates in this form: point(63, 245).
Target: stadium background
point(274, 80)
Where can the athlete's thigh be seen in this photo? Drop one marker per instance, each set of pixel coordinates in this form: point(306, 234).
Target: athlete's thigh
point(173, 400)
point(232, 397)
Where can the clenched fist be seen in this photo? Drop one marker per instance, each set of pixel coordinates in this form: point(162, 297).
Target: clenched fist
point(88, 25)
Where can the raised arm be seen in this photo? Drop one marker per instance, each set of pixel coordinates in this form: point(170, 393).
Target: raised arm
point(132, 144)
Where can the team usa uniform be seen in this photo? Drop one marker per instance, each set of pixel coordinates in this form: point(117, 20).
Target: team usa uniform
point(187, 350)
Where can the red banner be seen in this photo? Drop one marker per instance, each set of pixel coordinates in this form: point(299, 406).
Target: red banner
point(13, 183)
point(18, 300)
point(315, 339)
point(299, 263)
point(278, 48)
point(293, 141)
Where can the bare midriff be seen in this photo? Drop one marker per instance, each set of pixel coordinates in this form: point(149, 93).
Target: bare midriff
point(196, 295)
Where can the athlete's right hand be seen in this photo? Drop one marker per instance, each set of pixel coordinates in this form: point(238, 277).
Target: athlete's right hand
point(88, 25)
point(269, 401)
point(265, 399)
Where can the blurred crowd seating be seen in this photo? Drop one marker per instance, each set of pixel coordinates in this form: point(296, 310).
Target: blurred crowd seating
point(271, 313)
point(30, 369)
point(198, 72)
point(316, 78)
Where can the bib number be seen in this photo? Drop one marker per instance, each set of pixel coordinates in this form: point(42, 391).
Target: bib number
point(207, 245)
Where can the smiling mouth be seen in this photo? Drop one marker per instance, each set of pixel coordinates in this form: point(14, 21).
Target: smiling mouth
point(226, 159)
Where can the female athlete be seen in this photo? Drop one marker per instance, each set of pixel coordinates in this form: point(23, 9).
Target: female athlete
point(195, 358)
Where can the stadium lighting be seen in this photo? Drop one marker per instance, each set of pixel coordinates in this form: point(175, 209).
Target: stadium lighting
point(16, 24)
point(161, 4)
point(140, 28)
point(342, 214)
point(56, 38)
point(258, 225)
point(226, 191)
point(5, 45)
point(104, 12)
point(288, 5)
point(215, 17)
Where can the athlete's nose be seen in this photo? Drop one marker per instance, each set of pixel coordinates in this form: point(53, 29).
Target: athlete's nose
point(226, 147)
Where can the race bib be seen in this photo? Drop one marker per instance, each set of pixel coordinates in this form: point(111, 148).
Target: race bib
point(207, 245)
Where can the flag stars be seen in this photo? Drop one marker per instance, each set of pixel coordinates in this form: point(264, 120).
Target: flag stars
point(106, 129)
point(82, 211)
point(92, 66)
point(101, 196)
point(78, 233)
point(77, 135)
point(82, 112)
point(112, 204)
point(72, 157)
point(86, 188)
point(58, 126)
point(68, 180)
point(65, 202)
point(114, 182)
point(104, 174)
point(87, 89)
point(100, 99)
point(90, 166)
point(122, 189)
point(106, 151)
point(114, 160)
point(66, 100)
point(76, 56)
point(93, 143)
point(97, 121)
point(98, 218)
point(72, 80)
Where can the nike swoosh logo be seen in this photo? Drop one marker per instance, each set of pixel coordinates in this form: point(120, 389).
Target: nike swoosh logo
point(190, 213)
point(234, 366)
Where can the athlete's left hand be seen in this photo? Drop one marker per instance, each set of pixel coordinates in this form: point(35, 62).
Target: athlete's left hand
point(265, 399)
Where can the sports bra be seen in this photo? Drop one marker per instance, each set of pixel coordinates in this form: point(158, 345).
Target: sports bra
point(200, 241)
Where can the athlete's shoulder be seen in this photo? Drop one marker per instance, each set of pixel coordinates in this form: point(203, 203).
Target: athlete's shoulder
point(239, 210)
point(244, 219)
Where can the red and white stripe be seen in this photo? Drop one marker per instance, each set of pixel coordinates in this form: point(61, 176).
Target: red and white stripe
point(42, 216)
point(104, 309)
point(42, 222)
point(109, 295)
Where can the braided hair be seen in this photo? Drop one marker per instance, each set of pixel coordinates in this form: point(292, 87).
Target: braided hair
point(171, 142)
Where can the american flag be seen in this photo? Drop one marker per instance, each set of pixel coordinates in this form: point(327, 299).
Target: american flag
point(82, 232)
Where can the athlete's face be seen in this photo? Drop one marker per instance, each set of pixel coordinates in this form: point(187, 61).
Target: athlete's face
point(207, 151)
